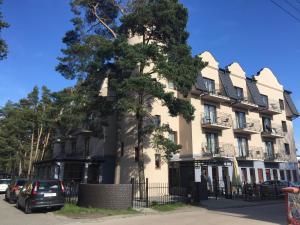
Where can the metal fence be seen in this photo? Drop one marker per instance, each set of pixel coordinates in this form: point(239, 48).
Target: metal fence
point(145, 194)
point(71, 192)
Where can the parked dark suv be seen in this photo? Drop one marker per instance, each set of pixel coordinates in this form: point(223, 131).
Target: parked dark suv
point(41, 194)
point(13, 189)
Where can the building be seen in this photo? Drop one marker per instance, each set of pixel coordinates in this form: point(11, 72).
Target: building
point(250, 118)
point(236, 116)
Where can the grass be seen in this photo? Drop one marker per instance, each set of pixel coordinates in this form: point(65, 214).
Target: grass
point(168, 207)
point(72, 210)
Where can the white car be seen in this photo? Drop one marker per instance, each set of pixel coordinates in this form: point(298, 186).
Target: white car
point(4, 185)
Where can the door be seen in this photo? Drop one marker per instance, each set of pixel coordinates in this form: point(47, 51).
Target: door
point(260, 175)
point(267, 124)
point(252, 176)
point(268, 174)
point(240, 119)
point(275, 174)
point(242, 146)
point(282, 175)
point(269, 148)
point(244, 175)
point(215, 177)
point(212, 143)
point(210, 114)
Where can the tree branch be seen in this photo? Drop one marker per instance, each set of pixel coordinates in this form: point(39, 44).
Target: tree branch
point(94, 9)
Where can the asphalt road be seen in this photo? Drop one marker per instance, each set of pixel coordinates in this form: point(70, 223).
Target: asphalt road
point(265, 214)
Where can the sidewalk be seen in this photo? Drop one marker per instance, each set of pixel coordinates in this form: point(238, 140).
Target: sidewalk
point(223, 203)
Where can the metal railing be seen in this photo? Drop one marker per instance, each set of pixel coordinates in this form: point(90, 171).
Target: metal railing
point(251, 125)
point(219, 150)
point(71, 191)
point(220, 119)
point(275, 130)
point(145, 194)
point(274, 105)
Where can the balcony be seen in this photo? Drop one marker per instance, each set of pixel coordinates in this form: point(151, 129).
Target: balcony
point(273, 133)
point(245, 103)
point(216, 95)
point(222, 150)
point(248, 128)
point(253, 153)
point(222, 121)
point(269, 156)
point(273, 108)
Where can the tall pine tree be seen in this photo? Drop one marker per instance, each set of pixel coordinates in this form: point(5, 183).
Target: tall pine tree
point(98, 47)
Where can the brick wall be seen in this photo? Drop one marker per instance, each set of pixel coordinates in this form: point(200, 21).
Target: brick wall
point(111, 196)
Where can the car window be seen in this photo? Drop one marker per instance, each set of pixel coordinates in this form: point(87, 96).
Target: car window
point(4, 181)
point(51, 186)
point(266, 183)
point(20, 182)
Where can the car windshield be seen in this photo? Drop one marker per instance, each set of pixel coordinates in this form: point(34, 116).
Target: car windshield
point(4, 181)
point(51, 186)
point(20, 182)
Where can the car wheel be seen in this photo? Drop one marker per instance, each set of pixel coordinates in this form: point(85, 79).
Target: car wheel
point(18, 204)
point(11, 201)
point(27, 208)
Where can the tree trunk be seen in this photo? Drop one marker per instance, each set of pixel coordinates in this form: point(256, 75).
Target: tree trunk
point(45, 145)
point(30, 157)
point(40, 132)
point(118, 151)
point(141, 171)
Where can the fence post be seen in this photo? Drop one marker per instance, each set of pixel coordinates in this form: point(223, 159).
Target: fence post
point(147, 197)
point(132, 191)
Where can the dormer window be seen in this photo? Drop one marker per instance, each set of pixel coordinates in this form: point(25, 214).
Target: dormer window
point(239, 92)
point(210, 85)
point(265, 100)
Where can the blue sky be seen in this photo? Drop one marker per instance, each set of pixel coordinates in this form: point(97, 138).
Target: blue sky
point(254, 33)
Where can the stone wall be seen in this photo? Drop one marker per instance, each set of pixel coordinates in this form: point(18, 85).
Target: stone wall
point(111, 196)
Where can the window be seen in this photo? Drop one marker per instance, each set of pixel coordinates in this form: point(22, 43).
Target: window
point(173, 136)
point(136, 154)
point(210, 114)
point(281, 104)
point(239, 92)
point(63, 148)
point(171, 85)
point(242, 146)
point(240, 119)
point(265, 100)
point(156, 120)
point(269, 148)
point(284, 126)
point(210, 85)
point(287, 149)
point(267, 124)
point(268, 174)
point(212, 143)
point(295, 176)
point(157, 161)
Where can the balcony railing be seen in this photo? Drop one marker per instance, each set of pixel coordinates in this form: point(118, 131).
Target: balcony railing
point(272, 108)
point(274, 132)
point(246, 103)
point(219, 121)
point(250, 127)
point(217, 95)
point(225, 150)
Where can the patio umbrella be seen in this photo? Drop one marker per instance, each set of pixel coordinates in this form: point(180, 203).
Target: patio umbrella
point(236, 180)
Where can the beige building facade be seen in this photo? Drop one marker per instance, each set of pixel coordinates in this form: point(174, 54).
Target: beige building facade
point(236, 116)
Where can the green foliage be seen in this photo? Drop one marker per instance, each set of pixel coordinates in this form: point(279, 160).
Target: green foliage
point(3, 45)
point(99, 47)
